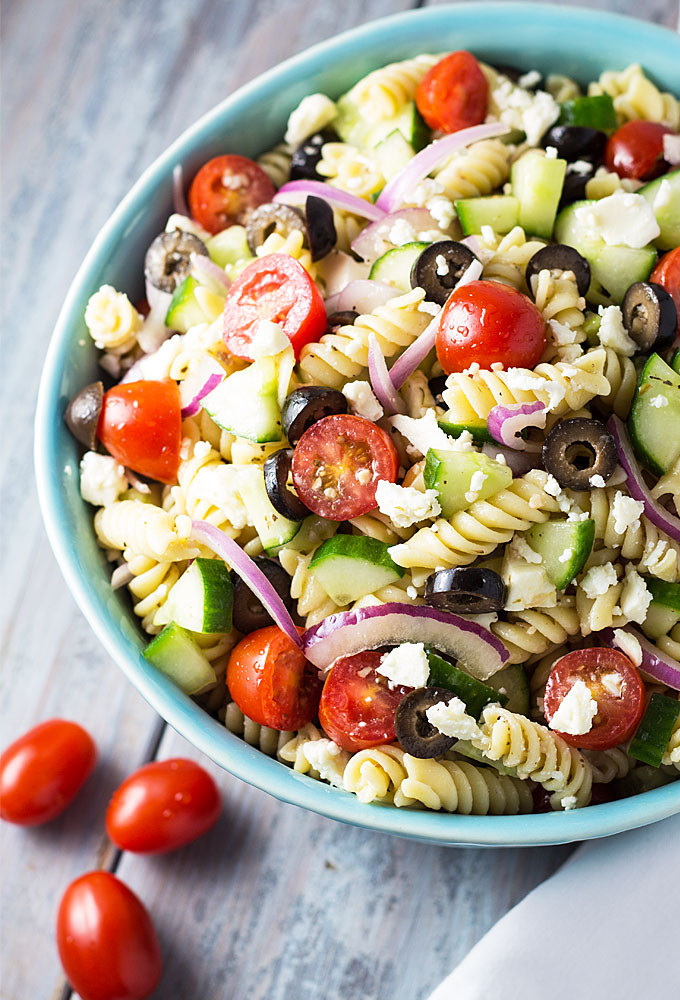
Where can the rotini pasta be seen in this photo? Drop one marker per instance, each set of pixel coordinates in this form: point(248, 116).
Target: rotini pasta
point(144, 529)
point(635, 96)
point(384, 92)
point(505, 258)
point(269, 741)
point(535, 632)
point(276, 163)
point(478, 170)
point(350, 169)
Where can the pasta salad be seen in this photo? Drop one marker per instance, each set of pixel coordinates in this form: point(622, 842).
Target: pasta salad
point(388, 454)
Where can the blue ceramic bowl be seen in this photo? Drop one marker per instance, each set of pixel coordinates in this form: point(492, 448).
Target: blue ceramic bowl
point(573, 41)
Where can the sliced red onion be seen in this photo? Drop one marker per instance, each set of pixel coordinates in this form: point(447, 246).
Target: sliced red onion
point(657, 665)
point(507, 420)
point(474, 243)
point(637, 487)
point(518, 462)
point(136, 483)
point(363, 295)
point(382, 385)
point(414, 355)
point(338, 269)
point(349, 632)
point(296, 192)
point(198, 384)
point(375, 240)
point(209, 273)
point(121, 576)
point(403, 184)
point(178, 200)
point(232, 553)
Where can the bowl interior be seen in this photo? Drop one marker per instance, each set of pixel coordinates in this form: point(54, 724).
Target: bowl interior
point(577, 42)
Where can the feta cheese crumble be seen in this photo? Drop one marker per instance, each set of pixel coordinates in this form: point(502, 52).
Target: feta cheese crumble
point(671, 149)
point(658, 402)
point(477, 480)
point(598, 580)
point(597, 482)
point(613, 682)
point(626, 512)
point(269, 339)
point(362, 400)
point(576, 711)
point(102, 479)
point(452, 719)
point(313, 113)
point(566, 555)
point(327, 758)
point(406, 665)
point(612, 332)
point(425, 433)
point(635, 597)
point(405, 505)
point(620, 219)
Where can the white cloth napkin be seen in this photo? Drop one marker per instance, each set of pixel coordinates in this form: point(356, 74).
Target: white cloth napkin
point(606, 924)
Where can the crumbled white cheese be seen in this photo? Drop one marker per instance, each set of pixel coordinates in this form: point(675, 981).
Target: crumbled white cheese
point(401, 232)
point(663, 195)
point(527, 584)
point(477, 480)
point(581, 167)
point(566, 555)
point(523, 550)
point(220, 485)
point(431, 308)
point(406, 665)
point(658, 402)
point(268, 340)
point(405, 505)
point(576, 711)
point(522, 378)
point(597, 482)
point(328, 759)
point(550, 153)
point(635, 598)
point(529, 79)
point(568, 802)
point(313, 113)
point(620, 219)
point(534, 113)
point(425, 433)
point(441, 209)
point(613, 682)
point(362, 400)
point(442, 264)
point(411, 592)
point(671, 149)
point(552, 487)
point(598, 580)
point(452, 719)
point(102, 479)
point(626, 512)
point(612, 332)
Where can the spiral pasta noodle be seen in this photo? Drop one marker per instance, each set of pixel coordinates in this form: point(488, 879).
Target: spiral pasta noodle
point(269, 741)
point(206, 491)
point(535, 632)
point(350, 169)
point(477, 170)
point(621, 374)
point(313, 603)
point(276, 163)
point(635, 96)
point(291, 244)
point(112, 321)
point(557, 297)
point(604, 183)
point(152, 582)
point(669, 485)
point(505, 258)
point(562, 88)
point(670, 644)
point(609, 765)
point(385, 92)
point(144, 529)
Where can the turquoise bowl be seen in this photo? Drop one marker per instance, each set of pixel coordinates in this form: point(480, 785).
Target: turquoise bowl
point(573, 41)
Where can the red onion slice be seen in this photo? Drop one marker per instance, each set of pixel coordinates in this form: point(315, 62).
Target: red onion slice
point(198, 384)
point(338, 269)
point(403, 184)
point(656, 664)
point(373, 241)
point(637, 487)
point(179, 202)
point(518, 462)
point(232, 553)
point(207, 272)
point(121, 576)
point(296, 192)
point(506, 421)
point(349, 632)
point(363, 295)
point(381, 382)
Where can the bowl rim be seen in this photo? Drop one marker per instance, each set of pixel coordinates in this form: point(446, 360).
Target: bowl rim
point(206, 734)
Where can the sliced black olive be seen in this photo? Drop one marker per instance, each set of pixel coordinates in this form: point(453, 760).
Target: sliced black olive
point(436, 386)
point(337, 319)
point(249, 614)
point(467, 590)
point(320, 226)
point(576, 450)
point(574, 187)
point(649, 316)
point(168, 259)
point(515, 74)
point(272, 218)
point(558, 257)
point(574, 142)
point(412, 727)
point(307, 157)
point(439, 267)
point(276, 473)
point(304, 406)
point(82, 414)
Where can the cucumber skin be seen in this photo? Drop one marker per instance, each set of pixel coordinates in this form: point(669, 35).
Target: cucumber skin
point(480, 433)
point(590, 112)
point(514, 680)
point(474, 693)
point(184, 311)
point(500, 211)
point(537, 182)
point(438, 465)
point(652, 736)
point(186, 665)
point(390, 261)
point(561, 574)
point(668, 216)
point(356, 547)
point(655, 367)
point(675, 362)
point(667, 594)
point(350, 567)
point(214, 573)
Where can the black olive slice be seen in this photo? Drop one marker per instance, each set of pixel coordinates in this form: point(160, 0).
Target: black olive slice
point(320, 226)
point(576, 450)
point(304, 406)
point(272, 218)
point(436, 386)
point(439, 267)
point(168, 259)
point(558, 257)
point(468, 590)
point(249, 614)
point(574, 142)
point(574, 187)
point(649, 316)
point(307, 156)
point(415, 732)
point(338, 319)
point(82, 414)
point(276, 473)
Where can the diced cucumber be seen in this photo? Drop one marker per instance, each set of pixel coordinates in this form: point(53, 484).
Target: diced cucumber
point(666, 206)
point(512, 682)
point(652, 736)
point(564, 547)
point(229, 246)
point(274, 529)
point(184, 311)
point(500, 211)
point(479, 430)
point(351, 125)
point(246, 402)
point(536, 182)
point(202, 599)
point(675, 362)
point(394, 267)
point(589, 112)
point(351, 566)
point(663, 613)
point(447, 675)
point(393, 153)
point(177, 655)
point(450, 473)
point(313, 530)
point(655, 429)
point(664, 593)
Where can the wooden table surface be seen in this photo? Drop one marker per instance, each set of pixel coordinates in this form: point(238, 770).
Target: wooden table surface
point(274, 902)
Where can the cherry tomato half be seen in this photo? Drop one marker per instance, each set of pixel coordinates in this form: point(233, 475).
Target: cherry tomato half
point(107, 942)
point(357, 705)
point(226, 190)
point(636, 150)
point(614, 683)
point(163, 805)
point(667, 274)
point(485, 322)
point(276, 288)
point(141, 426)
point(271, 681)
point(454, 93)
point(42, 771)
point(337, 464)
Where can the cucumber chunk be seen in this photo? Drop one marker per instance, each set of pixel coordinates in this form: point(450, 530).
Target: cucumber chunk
point(500, 211)
point(394, 267)
point(589, 112)
point(176, 654)
point(652, 736)
point(393, 153)
point(349, 567)
point(451, 474)
point(312, 531)
point(665, 204)
point(351, 125)
point(447, 675)
point(664, 593)
point(229, 246)
point(536, 181)
point(184, 310)
point(675, 362)
point(202, 599)
point(564, 547)
point(513, 683)
point(478, 430)
point(274, 529)
point(654, 425)
point(663, 613)
point(246, 403)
